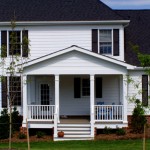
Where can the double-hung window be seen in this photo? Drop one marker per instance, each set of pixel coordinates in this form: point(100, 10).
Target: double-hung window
point(14, 42)
point(105, 41)
point(85, 87)
point(15, 90)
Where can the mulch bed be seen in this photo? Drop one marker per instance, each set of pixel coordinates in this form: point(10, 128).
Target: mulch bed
point(128, 135)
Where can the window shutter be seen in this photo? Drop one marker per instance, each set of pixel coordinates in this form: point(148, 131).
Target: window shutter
point(98, 87)
point(77, 88)
point(25, 48)
point(95, 40)
point(116, 42)
point(4, 92)
point(3, 43)
point(145, 90)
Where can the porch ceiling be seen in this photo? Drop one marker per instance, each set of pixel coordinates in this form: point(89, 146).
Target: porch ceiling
point(75, 60)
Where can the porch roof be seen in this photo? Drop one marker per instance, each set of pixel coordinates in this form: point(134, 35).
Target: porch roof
point(78, 49)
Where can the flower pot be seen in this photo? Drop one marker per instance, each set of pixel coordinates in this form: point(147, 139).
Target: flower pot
point(61, 134)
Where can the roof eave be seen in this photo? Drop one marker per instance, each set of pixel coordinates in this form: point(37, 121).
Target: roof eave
point(108, 22)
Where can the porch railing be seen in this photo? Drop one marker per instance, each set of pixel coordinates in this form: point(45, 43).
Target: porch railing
point(108, 112)
point(41, 112)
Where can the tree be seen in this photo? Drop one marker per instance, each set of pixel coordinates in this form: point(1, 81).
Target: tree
point(13, 66)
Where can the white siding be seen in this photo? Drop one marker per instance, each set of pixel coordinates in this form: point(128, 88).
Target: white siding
point(75, 63)
point(49, 39)
point(133, 90)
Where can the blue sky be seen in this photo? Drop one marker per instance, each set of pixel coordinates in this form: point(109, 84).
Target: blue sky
point(128, 4)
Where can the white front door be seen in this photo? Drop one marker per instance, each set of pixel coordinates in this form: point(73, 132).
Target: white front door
point(44, 93)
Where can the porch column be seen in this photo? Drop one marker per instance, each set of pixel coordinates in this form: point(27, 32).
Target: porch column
point(92, 104)
point(57, 96)
point(125, 94)
point(24, 86)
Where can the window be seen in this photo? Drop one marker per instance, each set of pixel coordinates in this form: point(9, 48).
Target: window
point(105, 41)
point(14, 43)
point(85, 87)
point(15, 90)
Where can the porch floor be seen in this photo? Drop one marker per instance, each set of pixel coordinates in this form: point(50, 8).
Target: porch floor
point(75, 120)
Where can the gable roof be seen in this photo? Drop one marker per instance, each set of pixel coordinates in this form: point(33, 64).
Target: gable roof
point(137, 32)
point(56, 10)
point(79, 49)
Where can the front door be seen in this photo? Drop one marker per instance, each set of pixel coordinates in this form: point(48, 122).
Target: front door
point(44, 94)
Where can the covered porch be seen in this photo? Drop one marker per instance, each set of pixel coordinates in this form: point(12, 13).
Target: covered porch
point(75, 82)
point(75, 100)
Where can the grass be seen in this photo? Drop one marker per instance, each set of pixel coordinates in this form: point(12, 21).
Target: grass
point(81, 145)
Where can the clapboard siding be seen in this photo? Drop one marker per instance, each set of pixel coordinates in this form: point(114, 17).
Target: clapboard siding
point(75, 63)
point(133, 91)
point(48, 40)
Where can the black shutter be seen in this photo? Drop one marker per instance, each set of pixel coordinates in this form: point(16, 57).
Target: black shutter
point(4, 92)
point(3, 43)
point(98, 87)
point(77, 87)
point(145, 90)
point(116, 42)
point(25, 49)
point(95, 40)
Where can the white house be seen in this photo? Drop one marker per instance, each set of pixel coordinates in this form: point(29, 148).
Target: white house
point(78, 65)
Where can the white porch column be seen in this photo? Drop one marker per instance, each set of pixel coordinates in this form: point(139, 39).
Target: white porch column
point(125, 94)
point(57, 95)
point(92, 104)
point(24, 86)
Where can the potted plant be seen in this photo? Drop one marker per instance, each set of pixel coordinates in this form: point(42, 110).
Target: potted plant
point(60, 134)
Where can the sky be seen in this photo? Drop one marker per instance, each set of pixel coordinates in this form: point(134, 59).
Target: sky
point(128, 4)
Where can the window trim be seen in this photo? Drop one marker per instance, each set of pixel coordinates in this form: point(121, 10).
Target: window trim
point(112, 39)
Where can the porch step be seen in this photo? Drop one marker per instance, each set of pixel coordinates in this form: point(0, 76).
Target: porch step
point(74, 132)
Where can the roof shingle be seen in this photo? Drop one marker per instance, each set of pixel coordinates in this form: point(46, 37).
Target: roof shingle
point(56, 10)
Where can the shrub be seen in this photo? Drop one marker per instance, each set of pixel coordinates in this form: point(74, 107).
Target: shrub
point(40, 134)
point(4, 124)
point(22, 136)
point(120, 131)
point(16, 120)
point(107, 130)
point(138, 118)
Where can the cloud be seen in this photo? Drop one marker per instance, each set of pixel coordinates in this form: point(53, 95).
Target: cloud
point(127, 2)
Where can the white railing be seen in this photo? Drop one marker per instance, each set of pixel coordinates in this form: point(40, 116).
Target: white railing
point(41, 112)
point(108, 112)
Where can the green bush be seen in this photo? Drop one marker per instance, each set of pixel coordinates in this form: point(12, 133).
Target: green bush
point(22, 136)
point(107, 130)
point(4, 124)
point(138, 118)
point(16, 120)
point(40, 134)
point(120, 131)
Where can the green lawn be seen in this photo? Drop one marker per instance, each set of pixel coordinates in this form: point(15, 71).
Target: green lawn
point(82, 145)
